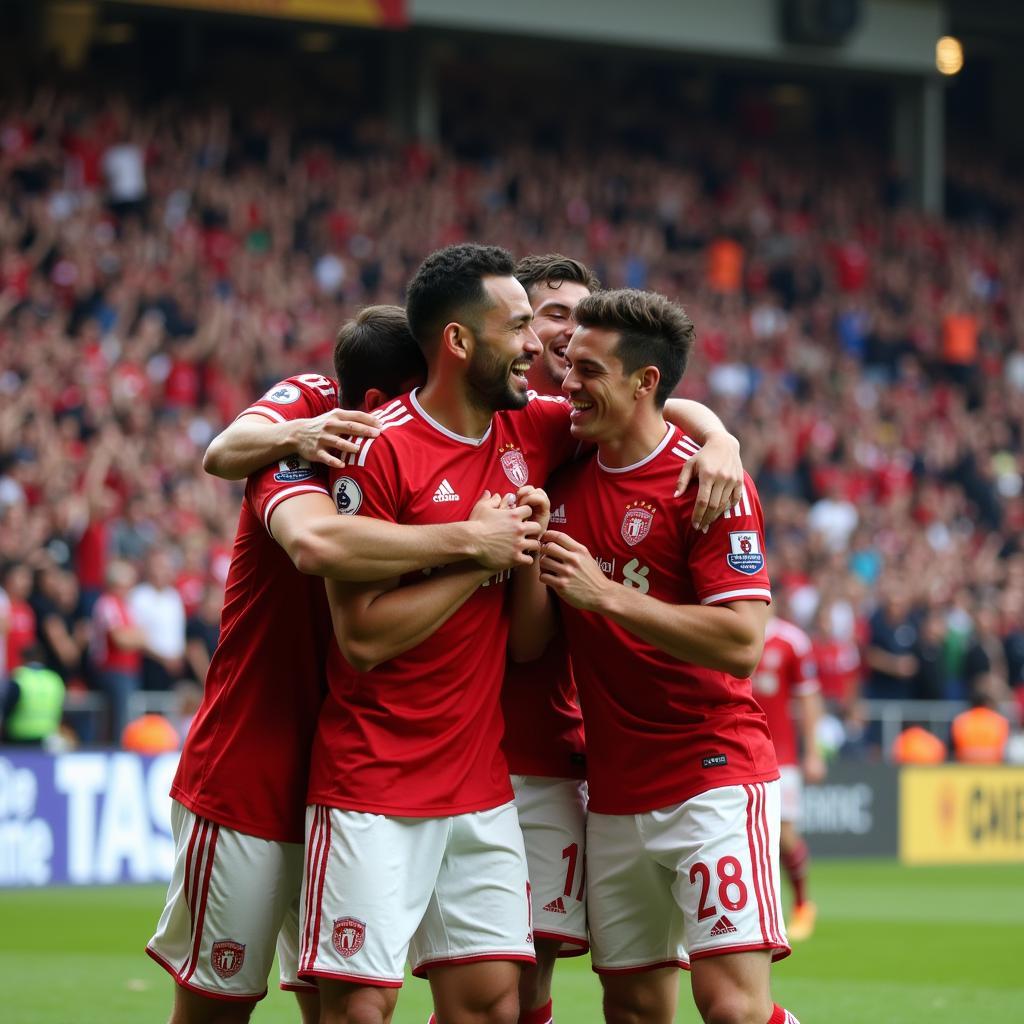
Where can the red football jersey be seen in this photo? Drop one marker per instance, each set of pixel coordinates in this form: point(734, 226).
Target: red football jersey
point(420, 735)
point(543, 722)
point(787, 670)
point(660, 730)
point(245, 761)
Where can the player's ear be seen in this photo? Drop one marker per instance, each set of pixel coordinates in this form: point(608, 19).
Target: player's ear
point(458, 340)
point(373, 399)
point(646, 382)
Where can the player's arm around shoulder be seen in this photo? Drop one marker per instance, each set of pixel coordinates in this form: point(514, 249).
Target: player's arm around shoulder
point(295, 418)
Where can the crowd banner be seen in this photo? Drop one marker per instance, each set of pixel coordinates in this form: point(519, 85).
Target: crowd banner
point(962, 814)
point(88, 818)
point(854, 812)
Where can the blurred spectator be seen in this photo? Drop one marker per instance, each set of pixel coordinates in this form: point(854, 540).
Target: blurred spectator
point(157, 609)
point(117, 644)
point(189, 696)
point(21, 629)
point(986, 656)
point(34, 701)
point(202, 633)
point(891, 645)
point(62, 628)
point(979, 735)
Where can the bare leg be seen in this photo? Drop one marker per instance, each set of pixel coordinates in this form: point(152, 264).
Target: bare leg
point(194, 1008)
point(344, 1003)
point(480, 993)
point(734, 988)
point(645, 997)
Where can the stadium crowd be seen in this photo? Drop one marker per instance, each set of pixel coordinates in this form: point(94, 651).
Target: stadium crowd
point(160, 267)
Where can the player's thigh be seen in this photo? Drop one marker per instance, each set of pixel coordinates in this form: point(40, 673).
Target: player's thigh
point(367, 884)
point(634, 921)
point(724, 848)
point(791, 787)
point(228, 896)
point(192, 1007)
point(486, 991)
point(343, 1002)
point(553, 818)
point(641, 997)
point(480, 906)
point(736, 986)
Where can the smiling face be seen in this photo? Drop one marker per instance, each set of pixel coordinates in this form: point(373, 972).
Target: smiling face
point(504, 347)
point(553, 321)
point(602, 394)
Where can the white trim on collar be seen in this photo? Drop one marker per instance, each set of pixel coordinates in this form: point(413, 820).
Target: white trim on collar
point(474, 442)
point(643, 462)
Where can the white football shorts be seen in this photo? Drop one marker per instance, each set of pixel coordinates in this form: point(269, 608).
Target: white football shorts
point(697, 879)
point(379, 890)
point(231, 898)
point(553, 817)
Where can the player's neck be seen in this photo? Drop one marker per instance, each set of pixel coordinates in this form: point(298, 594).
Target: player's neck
point(445, 400)
point(644, 434)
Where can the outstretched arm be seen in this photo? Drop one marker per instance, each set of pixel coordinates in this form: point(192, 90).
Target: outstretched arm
point(717, 465)
point(728, 637)
point(252, 441)
point(356, 548)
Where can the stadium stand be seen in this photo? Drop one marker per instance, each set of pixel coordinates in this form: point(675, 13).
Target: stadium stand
point(162, 264)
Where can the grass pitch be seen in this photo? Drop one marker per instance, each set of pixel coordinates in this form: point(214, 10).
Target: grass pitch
point(894, 945)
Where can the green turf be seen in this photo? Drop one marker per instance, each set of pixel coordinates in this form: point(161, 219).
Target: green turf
point(894, 946)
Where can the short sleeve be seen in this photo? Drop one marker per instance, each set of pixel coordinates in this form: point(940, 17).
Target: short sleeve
point(276, 483)
point(369, 484)
point(295, 398)
point(728, 563)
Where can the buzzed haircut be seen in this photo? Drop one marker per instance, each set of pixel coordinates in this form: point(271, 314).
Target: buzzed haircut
point(653, 331)
point(554, 269)
point(376, 349)
point(448, 288)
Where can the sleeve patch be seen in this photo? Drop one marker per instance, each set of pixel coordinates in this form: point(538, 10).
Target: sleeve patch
point(283, 394)
point(348, 496)
point(745, 552)
point(293, 469)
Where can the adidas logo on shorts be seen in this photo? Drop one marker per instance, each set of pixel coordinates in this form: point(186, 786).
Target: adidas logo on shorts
point(556, 906)
point(445, 492)
point(723, 926)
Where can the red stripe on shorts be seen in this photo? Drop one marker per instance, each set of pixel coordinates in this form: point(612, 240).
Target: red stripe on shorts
point(754, 859)
point(196, 825)
point(773, 903)
point(307, 954)
point(761, 827)
point(204, 895)
point(321, 879)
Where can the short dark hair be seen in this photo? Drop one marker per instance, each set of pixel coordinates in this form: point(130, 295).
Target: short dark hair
point(653, 331)
point(448, 286)
point(553, 269)
point(375, 349)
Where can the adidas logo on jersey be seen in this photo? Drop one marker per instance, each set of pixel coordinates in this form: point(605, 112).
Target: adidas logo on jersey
point(445, 492)
point(723, 926)
point(556, 906)
point(558, 514)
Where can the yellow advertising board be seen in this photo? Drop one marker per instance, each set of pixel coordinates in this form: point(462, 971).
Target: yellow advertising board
point(353, 12)
point(958, 814)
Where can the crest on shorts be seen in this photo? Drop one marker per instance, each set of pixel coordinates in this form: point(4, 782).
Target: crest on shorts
point(348, 936)
point(514, 464)
point(636, 523)
point(227, 957)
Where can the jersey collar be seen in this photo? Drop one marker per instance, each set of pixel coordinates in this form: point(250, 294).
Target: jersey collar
point(643, 462)
point(473, 442)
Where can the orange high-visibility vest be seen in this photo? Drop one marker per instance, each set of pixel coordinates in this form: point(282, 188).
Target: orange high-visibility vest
point(979, 736)
point(918, 746)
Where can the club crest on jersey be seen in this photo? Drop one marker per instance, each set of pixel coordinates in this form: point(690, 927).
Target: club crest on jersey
point(283, 394)
point(227, 957)
point(293, 468)
point(514, 464)
point(636, 523)
point(348, 496)
point(745, 554)
point(348, 936)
